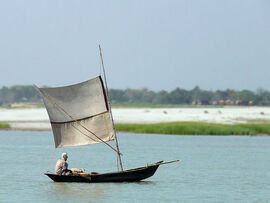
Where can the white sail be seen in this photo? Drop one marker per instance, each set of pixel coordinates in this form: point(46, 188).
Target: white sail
point(79, 113)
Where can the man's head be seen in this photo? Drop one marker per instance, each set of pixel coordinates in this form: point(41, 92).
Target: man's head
point(65, 156)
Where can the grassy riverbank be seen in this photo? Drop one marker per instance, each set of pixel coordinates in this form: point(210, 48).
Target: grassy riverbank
point(4, 126)
point(127, 105)
point(184, 128)
point(196, 128)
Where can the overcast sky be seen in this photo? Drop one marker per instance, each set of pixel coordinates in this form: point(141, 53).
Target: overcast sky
point(154, 44)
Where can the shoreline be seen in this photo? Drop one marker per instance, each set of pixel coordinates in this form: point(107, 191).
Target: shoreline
point(179, 128)
point(147, 120)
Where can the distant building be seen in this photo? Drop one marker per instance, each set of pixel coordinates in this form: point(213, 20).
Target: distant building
point(251, 102)
point(214, 103)
point(221, 102)
point(205, 102)
point(242, 102)
point(229, 102)
point(196, 102)
point(239, 102)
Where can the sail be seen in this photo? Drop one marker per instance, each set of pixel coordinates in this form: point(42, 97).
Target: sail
point(79, 113)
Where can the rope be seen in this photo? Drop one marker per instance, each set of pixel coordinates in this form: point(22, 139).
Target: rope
point(83, 133)
point(51, 161)
point(64, 111)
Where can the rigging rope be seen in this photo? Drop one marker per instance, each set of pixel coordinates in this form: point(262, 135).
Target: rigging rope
point(51, 161)
point(64, 111)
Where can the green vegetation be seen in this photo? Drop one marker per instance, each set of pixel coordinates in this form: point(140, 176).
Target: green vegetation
point(196, 128)
point(4, 126)
point(148, 98)
point(18, 94)
point(181, 96)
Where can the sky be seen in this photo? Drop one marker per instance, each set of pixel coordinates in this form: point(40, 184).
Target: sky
point(154, 44)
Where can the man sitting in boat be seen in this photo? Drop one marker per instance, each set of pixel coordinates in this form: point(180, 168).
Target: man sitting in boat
point(61, 167)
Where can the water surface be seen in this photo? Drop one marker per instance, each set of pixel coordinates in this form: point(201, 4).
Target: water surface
point(211, 169)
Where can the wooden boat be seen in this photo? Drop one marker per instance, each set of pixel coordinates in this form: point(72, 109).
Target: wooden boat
point(136, 174)
point(80, 114)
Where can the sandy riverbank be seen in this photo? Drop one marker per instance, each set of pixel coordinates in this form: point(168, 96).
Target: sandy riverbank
point(37, 119)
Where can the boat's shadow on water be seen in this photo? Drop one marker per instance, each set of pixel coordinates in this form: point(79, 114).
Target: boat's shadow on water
point(76, 191)
point(106, 183)
point(144, 182)
point(86, 191)
point(130, 183)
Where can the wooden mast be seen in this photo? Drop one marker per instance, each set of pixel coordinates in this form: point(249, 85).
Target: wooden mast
point(108, 99)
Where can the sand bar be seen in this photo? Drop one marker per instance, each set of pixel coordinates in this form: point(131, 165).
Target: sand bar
point(37, 119)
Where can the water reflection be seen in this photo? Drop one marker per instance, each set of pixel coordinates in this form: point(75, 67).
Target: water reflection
point(87, 192)
point(76, 191)
point(145, 183)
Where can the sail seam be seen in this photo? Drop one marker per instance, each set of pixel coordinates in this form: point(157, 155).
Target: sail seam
point(72, 121)
point(65, 112)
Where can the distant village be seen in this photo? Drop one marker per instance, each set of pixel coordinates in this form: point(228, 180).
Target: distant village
point(227, 102)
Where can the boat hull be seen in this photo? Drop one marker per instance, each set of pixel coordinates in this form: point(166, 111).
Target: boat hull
point(131, 175)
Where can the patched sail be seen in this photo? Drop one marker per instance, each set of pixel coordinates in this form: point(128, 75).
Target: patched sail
point(79, 113)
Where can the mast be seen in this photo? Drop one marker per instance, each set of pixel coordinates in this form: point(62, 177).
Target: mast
point(108, 99)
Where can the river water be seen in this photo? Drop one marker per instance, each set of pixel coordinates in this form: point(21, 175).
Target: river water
point(211, 169)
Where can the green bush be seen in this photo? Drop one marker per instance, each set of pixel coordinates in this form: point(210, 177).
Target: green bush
point(4, 125)
point(196, 128)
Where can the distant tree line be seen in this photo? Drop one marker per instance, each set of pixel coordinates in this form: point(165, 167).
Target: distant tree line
point(17, 94)
point(194, 96)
